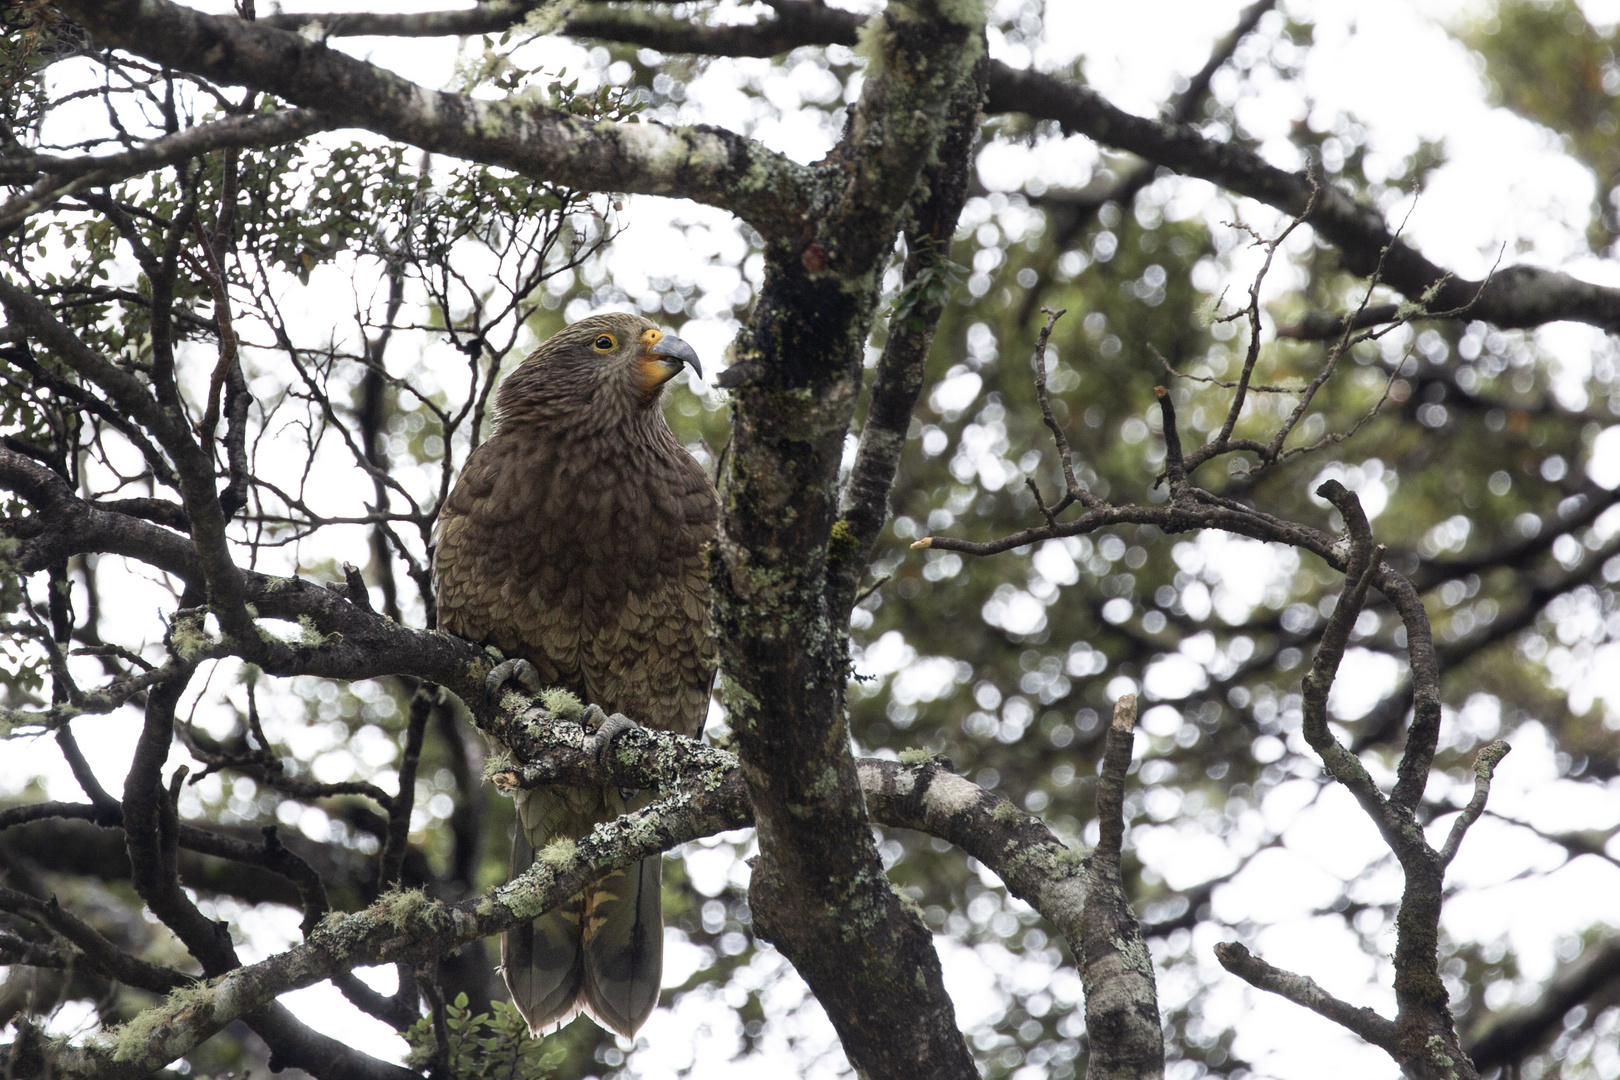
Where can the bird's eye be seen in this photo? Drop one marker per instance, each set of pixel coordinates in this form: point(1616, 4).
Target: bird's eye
point(605, 343)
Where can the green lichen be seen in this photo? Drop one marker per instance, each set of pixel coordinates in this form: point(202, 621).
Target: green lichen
point(872, 43)
point(1440, 1055)
point(499, 759)
point(131, 1041)
point(968, 13)
point(907, 901)
point(915, 756)
point(189, 640)
point(559, 854)
point(308, 635)
point(561, 704)
point(842, 544)
point(399, 908)
point(1044, 862)
point(758, 177)
point(546, 18)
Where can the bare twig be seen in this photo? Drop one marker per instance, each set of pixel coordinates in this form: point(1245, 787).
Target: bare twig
point(423, 702)
point(1220, 444)
point(1302, 990)
point(1484, 768)
point(1122, 1011)
point(1072, 490)
point(1175, 469)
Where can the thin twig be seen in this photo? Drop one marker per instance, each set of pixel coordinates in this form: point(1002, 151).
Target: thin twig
point(1484, 769)
point(1073, 492)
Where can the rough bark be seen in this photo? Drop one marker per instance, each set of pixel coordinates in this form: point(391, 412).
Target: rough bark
point(701, 163)
point(784, 651)
point(1122, 1002)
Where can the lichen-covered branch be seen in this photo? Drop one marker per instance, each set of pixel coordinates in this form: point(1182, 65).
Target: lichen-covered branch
point(1519, 296)
point(488, 17)
point(1302, 990)
point(793, 23)
point(926, 283)
point(402, 926)
point(707, 164)
point(818, 891)
point(1425, 1042)
point(703, 793)
point(1485, 762)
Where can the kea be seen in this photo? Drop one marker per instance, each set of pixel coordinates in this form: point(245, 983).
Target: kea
point(575, 540)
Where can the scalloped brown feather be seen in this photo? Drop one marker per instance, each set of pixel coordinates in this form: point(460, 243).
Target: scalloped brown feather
point(576, 538)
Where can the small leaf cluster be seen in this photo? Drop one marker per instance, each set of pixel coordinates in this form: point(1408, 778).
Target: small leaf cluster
point(936, 278)
point(496, 68)
point(495, 1045)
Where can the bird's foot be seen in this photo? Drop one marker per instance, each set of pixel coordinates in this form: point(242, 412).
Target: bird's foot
point(516, 671)
point(604, 728)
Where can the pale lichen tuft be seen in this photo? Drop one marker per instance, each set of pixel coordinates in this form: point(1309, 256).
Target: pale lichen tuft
point(559, 854)
point(561, 703)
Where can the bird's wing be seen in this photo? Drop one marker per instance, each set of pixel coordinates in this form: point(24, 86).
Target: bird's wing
point(495, 582)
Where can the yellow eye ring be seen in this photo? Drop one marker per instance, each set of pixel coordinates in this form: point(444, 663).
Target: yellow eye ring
point(604, 343)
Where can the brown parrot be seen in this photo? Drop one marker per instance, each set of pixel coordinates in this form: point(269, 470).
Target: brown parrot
point(575, 540)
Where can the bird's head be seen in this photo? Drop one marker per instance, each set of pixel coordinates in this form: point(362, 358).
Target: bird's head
point(614, 357)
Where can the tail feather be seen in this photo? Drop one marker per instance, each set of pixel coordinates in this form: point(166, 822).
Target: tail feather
point(624, 946)
point(601, 952)
point(542, 960)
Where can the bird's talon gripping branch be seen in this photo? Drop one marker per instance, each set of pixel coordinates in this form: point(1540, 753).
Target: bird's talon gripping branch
point(517, 670)
point(607, 729)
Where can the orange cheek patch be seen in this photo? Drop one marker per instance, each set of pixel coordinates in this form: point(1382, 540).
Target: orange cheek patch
point(651, 374)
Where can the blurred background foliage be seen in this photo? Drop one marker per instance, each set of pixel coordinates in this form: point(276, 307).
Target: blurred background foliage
point(1474, 467)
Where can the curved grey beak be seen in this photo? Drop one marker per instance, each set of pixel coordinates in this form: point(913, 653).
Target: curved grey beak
point(678, 351)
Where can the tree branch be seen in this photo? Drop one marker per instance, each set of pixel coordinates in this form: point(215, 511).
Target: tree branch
point(1122, 1004)
point(1506, 1038)
point(795, 23)
point(702, 792)
point(1484, 768)
point(167, 422)
point(1304, 991)
point(55, 178)
point(1363, 565)
point(1519, 296)
point(795, 381)
point(927, 279)
point(706, 164)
